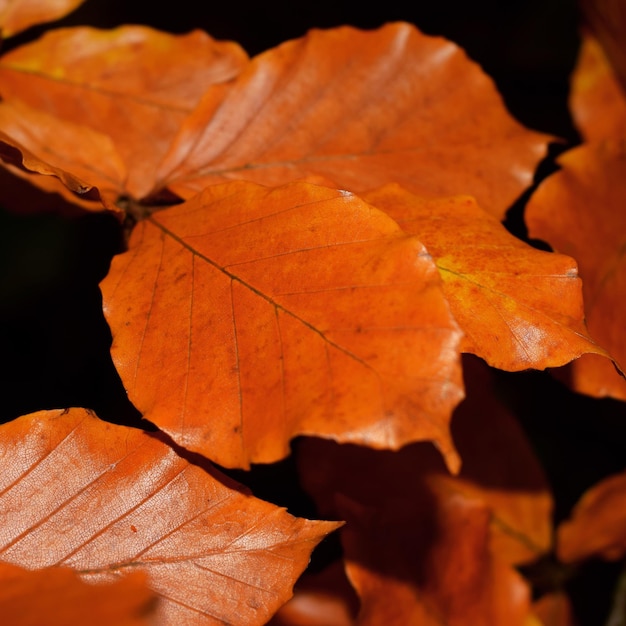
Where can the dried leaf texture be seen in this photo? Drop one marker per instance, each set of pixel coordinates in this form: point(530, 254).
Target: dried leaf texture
point(597, 101)
point(63, 599)
point(362, 109)
point(109, 500)
point(132, 84)
point(579, 212)
point(248, 315)
point(18, 15)
point(518, 307)
point(598, 523)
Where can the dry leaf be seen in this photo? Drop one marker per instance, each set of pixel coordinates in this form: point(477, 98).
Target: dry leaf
point(519, 307)
point(107, 500)
point(579, 212)
point(249, 315)
point(133, 84)
point(18, 15)
point(362, 109)
point(56, 596)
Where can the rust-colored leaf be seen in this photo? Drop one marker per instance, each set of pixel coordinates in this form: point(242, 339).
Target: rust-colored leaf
point(362, 109)
point(57, 596)
point(499, 470)
point(133, 84)
point(579, 211)
point(519, 307)
point(598, 523)
point(325, 598)
point(554, 609)
point(424, 547)
point(18, 15)
point(107, 500)
point(597, 102)
point(248, 315)
point(607, 20)
point(69, 162)
point(443, 574)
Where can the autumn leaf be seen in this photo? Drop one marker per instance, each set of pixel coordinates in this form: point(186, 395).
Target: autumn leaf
point(554, 609)
point(108, 500)
point(579, 212)
point(133, 85)
point(607, 20)
point(455, 581)
point(519, 307)
point(361, 109)
point(18, 15)
point(13, 153)
point(68, 162)
point(597, 101)
point(249, 315)
point(424, 547)
point(598, 523)
point(323, 598)
point(62, 598)
point(499, 469)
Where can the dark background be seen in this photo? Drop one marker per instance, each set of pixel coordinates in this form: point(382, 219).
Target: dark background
point(54, 340)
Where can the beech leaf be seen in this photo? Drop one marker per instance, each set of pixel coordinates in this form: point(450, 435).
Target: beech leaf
point(597, 101)
point(519, 307)
point(579, 212)
point(249, 315)
point(133, 84)
point(500, 470)
point(18, 15)
point(361, 109)
point(455, 580)
point(108, 500)
point(63, 598)
point(597, 526)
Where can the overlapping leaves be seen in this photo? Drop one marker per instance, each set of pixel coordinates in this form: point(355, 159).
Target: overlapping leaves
point(108, 500)
point(263, 308)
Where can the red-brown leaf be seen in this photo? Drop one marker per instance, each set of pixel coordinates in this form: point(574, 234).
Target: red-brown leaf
point(108, 500)
point(18, 15)
point(519, 307)
point(57, 596)
point(598, 523)
point(408, 572)
point(249, 315)
point(133, 84)
point(597, 101)
point(579, 211)
point(361, 109)
point(499, 470)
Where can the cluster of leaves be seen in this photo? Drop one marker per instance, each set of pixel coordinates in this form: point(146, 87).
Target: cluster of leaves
point(316, 266)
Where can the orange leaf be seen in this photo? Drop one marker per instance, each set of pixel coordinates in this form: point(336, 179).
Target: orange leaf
point(132, 83)
point(63, 599)
point(248, 315)
point(519, 307)
point(554, 609)
point(598, 523)
point(579, 212)
point(407, 572)
point(18, 15)
point(500, 471)
point(66, 159)
point(597, 102)
point(607, 20)
point(361, 109)
point(107, 500)
point(320, 599)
